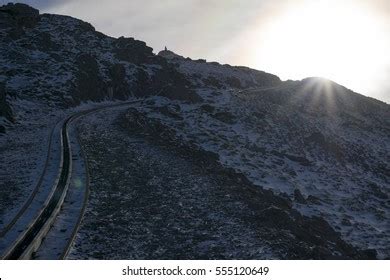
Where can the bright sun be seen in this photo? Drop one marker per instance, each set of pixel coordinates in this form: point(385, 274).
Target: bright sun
point(339, 41)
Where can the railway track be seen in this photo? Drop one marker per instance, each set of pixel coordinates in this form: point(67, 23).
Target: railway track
point(21, 247)
point(34, 192)
point(31, 238)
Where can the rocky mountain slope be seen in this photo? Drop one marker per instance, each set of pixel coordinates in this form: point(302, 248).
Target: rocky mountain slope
point(62, 61)
point(315, 144)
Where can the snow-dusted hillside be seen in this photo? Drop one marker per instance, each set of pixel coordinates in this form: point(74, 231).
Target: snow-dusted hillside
point(330, 159)
point(321, 145)
point(317, 145)
point(215, 75)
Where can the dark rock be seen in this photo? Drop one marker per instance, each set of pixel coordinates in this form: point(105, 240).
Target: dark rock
point(6, 20)
point(208, 108)
point(166, 81)
point(256, 148)
point(85, 26)
point(292, 173)
point(259, 115)
point(170, 83)
point(301, 160)
point(260, 77)
point(211, 81)
point(42, 42)
point(19, 10)
point(89, 85)
point(143, 82)
point(169, 54)
point(22, 13)
point(276, 216)
point(225, 117)
point(327, 146)
point(313, 199)
point(5, 109)
point(180, 93)
point(234, 82)
point(131, 50)
point(298, 197)
point(45, 43)
point(10, 23)
point(370, 254)
point(172, 111)
point(346, 222)
point(377, 191)
point(121, 88)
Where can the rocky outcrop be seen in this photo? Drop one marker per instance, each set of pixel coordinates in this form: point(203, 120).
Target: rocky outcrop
point(20, 10)
point(89, 84)
point(167, 82)
point(23, 14)
point(234, 82)
point(132, 51)
point(328, 146)
point(5, 109)
point(174, 85)
point(225, 117)
point(215, 75)
point(120, 87)
point(169, 54)
point(212, 82)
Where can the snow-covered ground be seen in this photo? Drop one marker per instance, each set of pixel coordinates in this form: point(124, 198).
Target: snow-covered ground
point(268, 146)
point(32, 149)
point(24, 152)
point(60, 236)
point(312, 142)
point(153, 198)
point(147, 203)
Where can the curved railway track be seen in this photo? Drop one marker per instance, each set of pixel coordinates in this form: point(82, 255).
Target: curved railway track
point(30, 199)
point(29, 241)
point(18, 250)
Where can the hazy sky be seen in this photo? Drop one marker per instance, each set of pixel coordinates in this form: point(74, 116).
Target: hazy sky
point(348, 42)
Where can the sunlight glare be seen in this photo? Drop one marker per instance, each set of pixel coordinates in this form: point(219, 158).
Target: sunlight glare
point(329, 39)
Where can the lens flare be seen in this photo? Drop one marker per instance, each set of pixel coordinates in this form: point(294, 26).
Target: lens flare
point(339, 40)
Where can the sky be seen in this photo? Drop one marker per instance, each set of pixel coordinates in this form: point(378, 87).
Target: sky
point(346, 41)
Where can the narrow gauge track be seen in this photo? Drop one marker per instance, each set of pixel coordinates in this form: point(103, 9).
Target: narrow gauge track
point(31, 238)
point(20, 247)
point(30, 199)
